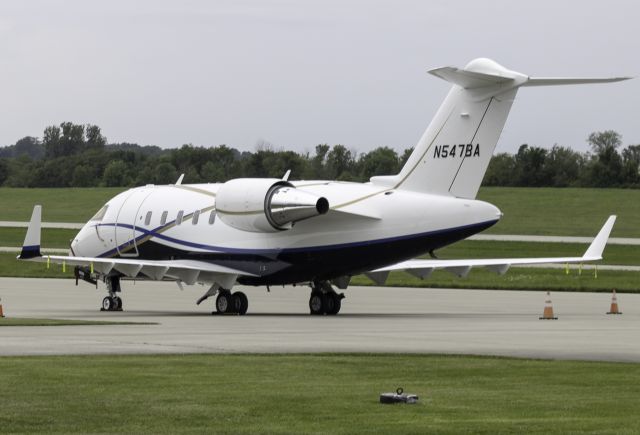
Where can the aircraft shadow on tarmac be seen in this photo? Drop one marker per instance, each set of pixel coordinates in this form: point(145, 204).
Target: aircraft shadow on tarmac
point(126, 314)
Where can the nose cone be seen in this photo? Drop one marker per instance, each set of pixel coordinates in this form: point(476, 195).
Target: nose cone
point(79, 242)
point(76, 245)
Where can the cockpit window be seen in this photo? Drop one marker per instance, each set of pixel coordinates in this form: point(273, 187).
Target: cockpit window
point(100, 215)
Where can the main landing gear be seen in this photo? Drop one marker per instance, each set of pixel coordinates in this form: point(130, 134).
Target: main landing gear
point(112, 302)
point(226, 302)
point(324, 299)
point(231, 303)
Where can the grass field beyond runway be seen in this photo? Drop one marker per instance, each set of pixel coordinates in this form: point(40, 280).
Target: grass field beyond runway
point(563, 212)
point(58, 204)
point(533, 211)
point(315, 393)
point(50, 237)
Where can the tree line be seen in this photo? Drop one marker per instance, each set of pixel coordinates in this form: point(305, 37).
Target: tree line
point(75, 155)
point(603, 166)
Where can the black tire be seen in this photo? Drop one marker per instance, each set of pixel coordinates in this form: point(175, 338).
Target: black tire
point(335, 304)
point(117, 303)
point(224, 303)
point(316, 303)
point(241, 303)
point(328, 303)
point(107, 304)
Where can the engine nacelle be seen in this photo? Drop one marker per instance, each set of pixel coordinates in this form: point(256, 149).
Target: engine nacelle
point(266, 204)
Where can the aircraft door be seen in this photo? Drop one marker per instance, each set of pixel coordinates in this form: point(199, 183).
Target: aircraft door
point(126, 221)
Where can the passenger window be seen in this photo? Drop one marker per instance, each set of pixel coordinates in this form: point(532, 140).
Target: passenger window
point(147, 220)
point(179, 217)
point(212, 217)
point(163, 218)
point(194, 219)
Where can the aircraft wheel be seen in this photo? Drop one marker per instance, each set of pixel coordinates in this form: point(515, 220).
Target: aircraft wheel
point(224, 303)
point(316, 303)
point(241, 303)
point(328, 303)
point(334, 303)
point(107, 304)
point(117, 303)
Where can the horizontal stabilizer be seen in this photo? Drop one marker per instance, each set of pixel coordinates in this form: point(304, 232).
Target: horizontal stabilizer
point(556, 81)
point(482, 73)
point(469, 79)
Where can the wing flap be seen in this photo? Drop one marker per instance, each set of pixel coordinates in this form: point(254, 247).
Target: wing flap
point(130, 270)
point(154, 272)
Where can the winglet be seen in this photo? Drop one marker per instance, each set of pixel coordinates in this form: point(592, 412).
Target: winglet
point(594, 252)
point(31, 245)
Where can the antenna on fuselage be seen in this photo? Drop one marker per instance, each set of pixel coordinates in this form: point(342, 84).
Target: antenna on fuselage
point(179, 182)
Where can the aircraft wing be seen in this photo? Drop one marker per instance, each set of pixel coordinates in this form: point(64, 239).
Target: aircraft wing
point(188, 271)
point(424, 268)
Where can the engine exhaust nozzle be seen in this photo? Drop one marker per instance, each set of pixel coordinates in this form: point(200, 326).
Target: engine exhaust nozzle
point(286, 205)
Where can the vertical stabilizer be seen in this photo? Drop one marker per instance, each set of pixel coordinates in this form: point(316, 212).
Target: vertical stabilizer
point(453, 154)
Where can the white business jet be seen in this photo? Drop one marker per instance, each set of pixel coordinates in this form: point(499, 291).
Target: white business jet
point(264, 231)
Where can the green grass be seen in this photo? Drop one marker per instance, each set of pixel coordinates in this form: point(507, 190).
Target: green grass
point(315, 394)
point(11, 321)
point(535, 211)
point(51, 237)
point(10, 266)
point(563, 212)
point(58, 205)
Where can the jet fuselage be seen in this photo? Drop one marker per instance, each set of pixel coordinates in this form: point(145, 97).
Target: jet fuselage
point(368, 226)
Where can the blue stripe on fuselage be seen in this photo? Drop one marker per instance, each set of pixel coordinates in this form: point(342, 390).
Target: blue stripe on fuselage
point(256, 251)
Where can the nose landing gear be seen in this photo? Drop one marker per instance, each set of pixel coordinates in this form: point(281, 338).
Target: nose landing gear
point(112, 302)
point(324, 299)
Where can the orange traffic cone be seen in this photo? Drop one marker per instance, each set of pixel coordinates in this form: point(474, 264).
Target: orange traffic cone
point(548, 309)
point(613, 310)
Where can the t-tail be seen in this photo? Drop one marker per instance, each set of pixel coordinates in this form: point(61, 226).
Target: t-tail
point(452, 156)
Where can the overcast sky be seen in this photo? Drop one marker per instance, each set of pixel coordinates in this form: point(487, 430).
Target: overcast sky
point(300, 73)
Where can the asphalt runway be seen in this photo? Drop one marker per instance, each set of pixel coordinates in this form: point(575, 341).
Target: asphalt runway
point(373, 319)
